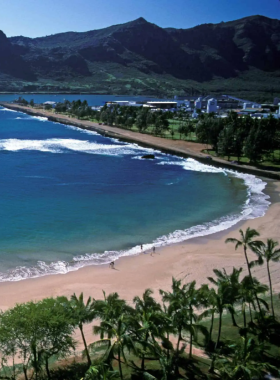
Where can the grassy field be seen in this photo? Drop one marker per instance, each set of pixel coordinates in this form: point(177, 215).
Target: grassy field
point(265, 164)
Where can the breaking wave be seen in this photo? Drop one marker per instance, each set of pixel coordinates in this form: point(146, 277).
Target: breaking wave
point(41, 118)
point(64, 145)
point(7, 109)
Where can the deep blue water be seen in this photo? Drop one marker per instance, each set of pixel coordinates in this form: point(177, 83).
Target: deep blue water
point(67, 194)
point(93, 100)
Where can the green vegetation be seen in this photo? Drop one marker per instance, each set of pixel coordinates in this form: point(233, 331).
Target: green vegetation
point(149, 339)
point(243, 140)
point(140, 58)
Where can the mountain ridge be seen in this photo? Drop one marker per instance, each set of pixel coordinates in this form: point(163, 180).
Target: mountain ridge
point(140, 57)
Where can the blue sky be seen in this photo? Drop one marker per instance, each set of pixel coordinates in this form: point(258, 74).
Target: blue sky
point(35, 18)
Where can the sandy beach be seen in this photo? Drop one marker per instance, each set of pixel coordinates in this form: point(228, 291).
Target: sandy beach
point(193, 259)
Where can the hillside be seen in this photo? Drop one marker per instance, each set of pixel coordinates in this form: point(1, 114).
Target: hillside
point(241, 57)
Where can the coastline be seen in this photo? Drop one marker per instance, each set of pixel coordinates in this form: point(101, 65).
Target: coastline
point(193, 259)
point(180, 148)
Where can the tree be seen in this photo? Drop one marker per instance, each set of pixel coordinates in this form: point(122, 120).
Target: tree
point(268, 252)
point(253, 148)
point(82, 313)
point(246, 361)
point(141, 120)
point(56, 323)
point(220, 304)
point(32, 102)
point(207, 299)
point(225, 141)
point(150, 318)
point(100, 372)
point(115, 328)
point(247, 240)
point(232, 281)
point(36, 331)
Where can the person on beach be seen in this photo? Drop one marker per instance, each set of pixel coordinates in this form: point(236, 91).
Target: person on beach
point(141, 247)
point(112, 265)
point(153, 250)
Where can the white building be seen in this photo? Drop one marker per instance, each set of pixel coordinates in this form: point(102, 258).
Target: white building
point(49, 103)
point(212, 105)
point(198, 104)
point(247, 105)
point(251, 105)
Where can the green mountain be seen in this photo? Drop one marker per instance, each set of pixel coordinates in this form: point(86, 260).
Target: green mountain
point(240, 57)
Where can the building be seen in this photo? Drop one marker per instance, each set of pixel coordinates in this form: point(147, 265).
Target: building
point(163, 105)
point(212, 105)
point(198, 104)
point(49, 103)
point(122, 103)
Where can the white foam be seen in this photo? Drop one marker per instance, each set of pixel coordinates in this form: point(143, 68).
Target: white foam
point(62, 145)
point(41, 118)
point(193, 165)
point(81, 130)
point(257, 201)
point(7, 109)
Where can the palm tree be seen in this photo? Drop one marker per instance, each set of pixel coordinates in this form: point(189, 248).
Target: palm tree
point(82, 313)
point(150, 319)
point(118, 335)
point(267, 252)
point(182, 301)
point(177, 311)
point(116, 328)
point(208, 301)
point(247, 240)
point(193, 300)
point(223, 298)
point(247, 293)
point(232, 281)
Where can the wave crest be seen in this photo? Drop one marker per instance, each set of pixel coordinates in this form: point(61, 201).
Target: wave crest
point(63, 145)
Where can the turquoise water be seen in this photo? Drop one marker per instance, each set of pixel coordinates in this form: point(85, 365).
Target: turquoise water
point(70, 198)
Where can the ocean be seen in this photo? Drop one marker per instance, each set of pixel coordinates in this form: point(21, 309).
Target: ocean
point(71, 198)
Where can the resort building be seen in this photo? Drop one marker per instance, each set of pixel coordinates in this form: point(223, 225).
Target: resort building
point(198, 104)
point(212, 106)
point(163, 105)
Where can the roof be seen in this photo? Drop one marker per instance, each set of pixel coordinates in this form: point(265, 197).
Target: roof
point(161, 102)
point(49, 102)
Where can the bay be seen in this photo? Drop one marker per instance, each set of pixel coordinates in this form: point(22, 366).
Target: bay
point(70, 198)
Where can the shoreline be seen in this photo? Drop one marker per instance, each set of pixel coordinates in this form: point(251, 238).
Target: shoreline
point(193, 259)
point(179, 148)
point(219, 225)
